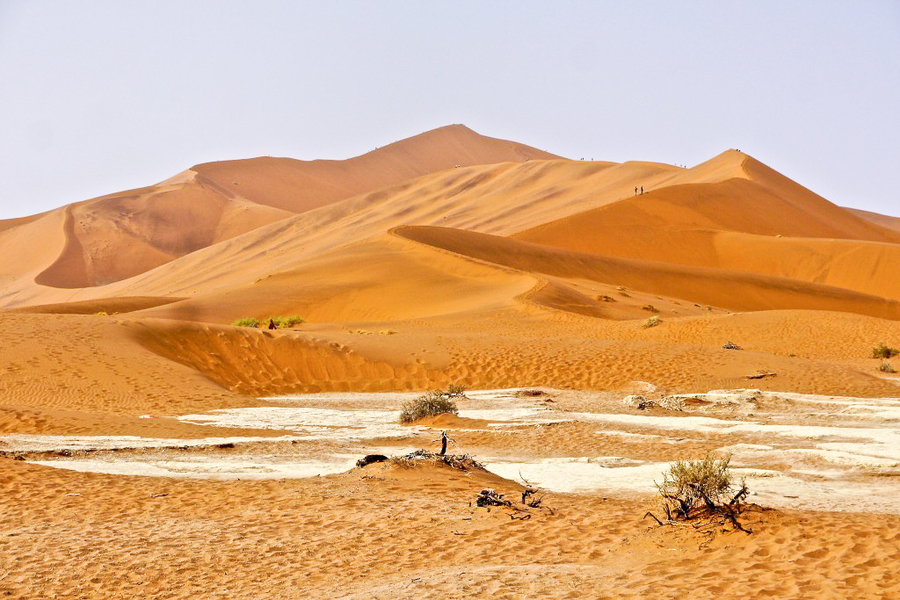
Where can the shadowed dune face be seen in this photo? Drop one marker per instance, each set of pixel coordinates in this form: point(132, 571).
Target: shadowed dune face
point(110, 306)
point(116, 237)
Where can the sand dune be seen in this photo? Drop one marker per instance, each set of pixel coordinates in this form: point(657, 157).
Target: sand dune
point(759, 222)
point(498, 199)
point(121, 235)
point(118, 236)
point(125, 393)
point(384, 279)
point(299, 186)
point(882, 220)
point(638, 229)
point(729, 289)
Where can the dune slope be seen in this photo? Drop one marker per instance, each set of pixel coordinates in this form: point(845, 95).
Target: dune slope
point(115, 237)
point(729, 289)
point(299, 186)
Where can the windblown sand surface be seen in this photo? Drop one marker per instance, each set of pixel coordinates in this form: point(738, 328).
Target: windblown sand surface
point(148, 448)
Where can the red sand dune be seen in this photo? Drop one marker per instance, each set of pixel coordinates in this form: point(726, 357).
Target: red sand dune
point(115, 237)
point(299, 186)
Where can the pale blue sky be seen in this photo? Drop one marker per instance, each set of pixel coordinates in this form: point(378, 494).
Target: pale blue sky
point(98, 97)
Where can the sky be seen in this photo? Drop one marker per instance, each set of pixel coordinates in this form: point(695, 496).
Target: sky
point(98, 97)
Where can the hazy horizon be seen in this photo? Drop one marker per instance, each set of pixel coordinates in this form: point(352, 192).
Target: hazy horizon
point(108, 97)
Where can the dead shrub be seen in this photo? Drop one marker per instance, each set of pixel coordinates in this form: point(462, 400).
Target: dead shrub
point(702, 488)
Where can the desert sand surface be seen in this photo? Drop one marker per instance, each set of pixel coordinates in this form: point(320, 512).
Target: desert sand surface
point(151, 448)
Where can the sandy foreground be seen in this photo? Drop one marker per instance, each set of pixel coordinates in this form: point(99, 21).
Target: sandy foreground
point(289, 516)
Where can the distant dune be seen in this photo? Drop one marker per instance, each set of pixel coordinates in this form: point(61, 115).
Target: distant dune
point(115, 237)
point(883, 220)
point(299, 186)
point(451, 234)
point(220, 229)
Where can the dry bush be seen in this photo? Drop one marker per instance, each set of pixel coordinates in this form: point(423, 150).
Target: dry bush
point(651, 322)
point(702, 488)
point(886, 367)
point(650, 308)
point(605, 298)
point(455, 391)
point(431, 404)
point(882, 350)
point(463, 462)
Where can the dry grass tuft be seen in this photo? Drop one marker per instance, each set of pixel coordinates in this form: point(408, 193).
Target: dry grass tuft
point(651, 322)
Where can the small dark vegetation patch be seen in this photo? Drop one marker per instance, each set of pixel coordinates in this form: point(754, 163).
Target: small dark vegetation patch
point(882, 350)
point(370, 459)
point(530, 393)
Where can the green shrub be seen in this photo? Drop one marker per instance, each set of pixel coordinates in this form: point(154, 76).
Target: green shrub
point(882, 350)
point(246, 322)
point(290, 321)
point(431, 403)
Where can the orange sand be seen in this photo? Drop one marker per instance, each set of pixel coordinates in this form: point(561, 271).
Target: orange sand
point(446, 258)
